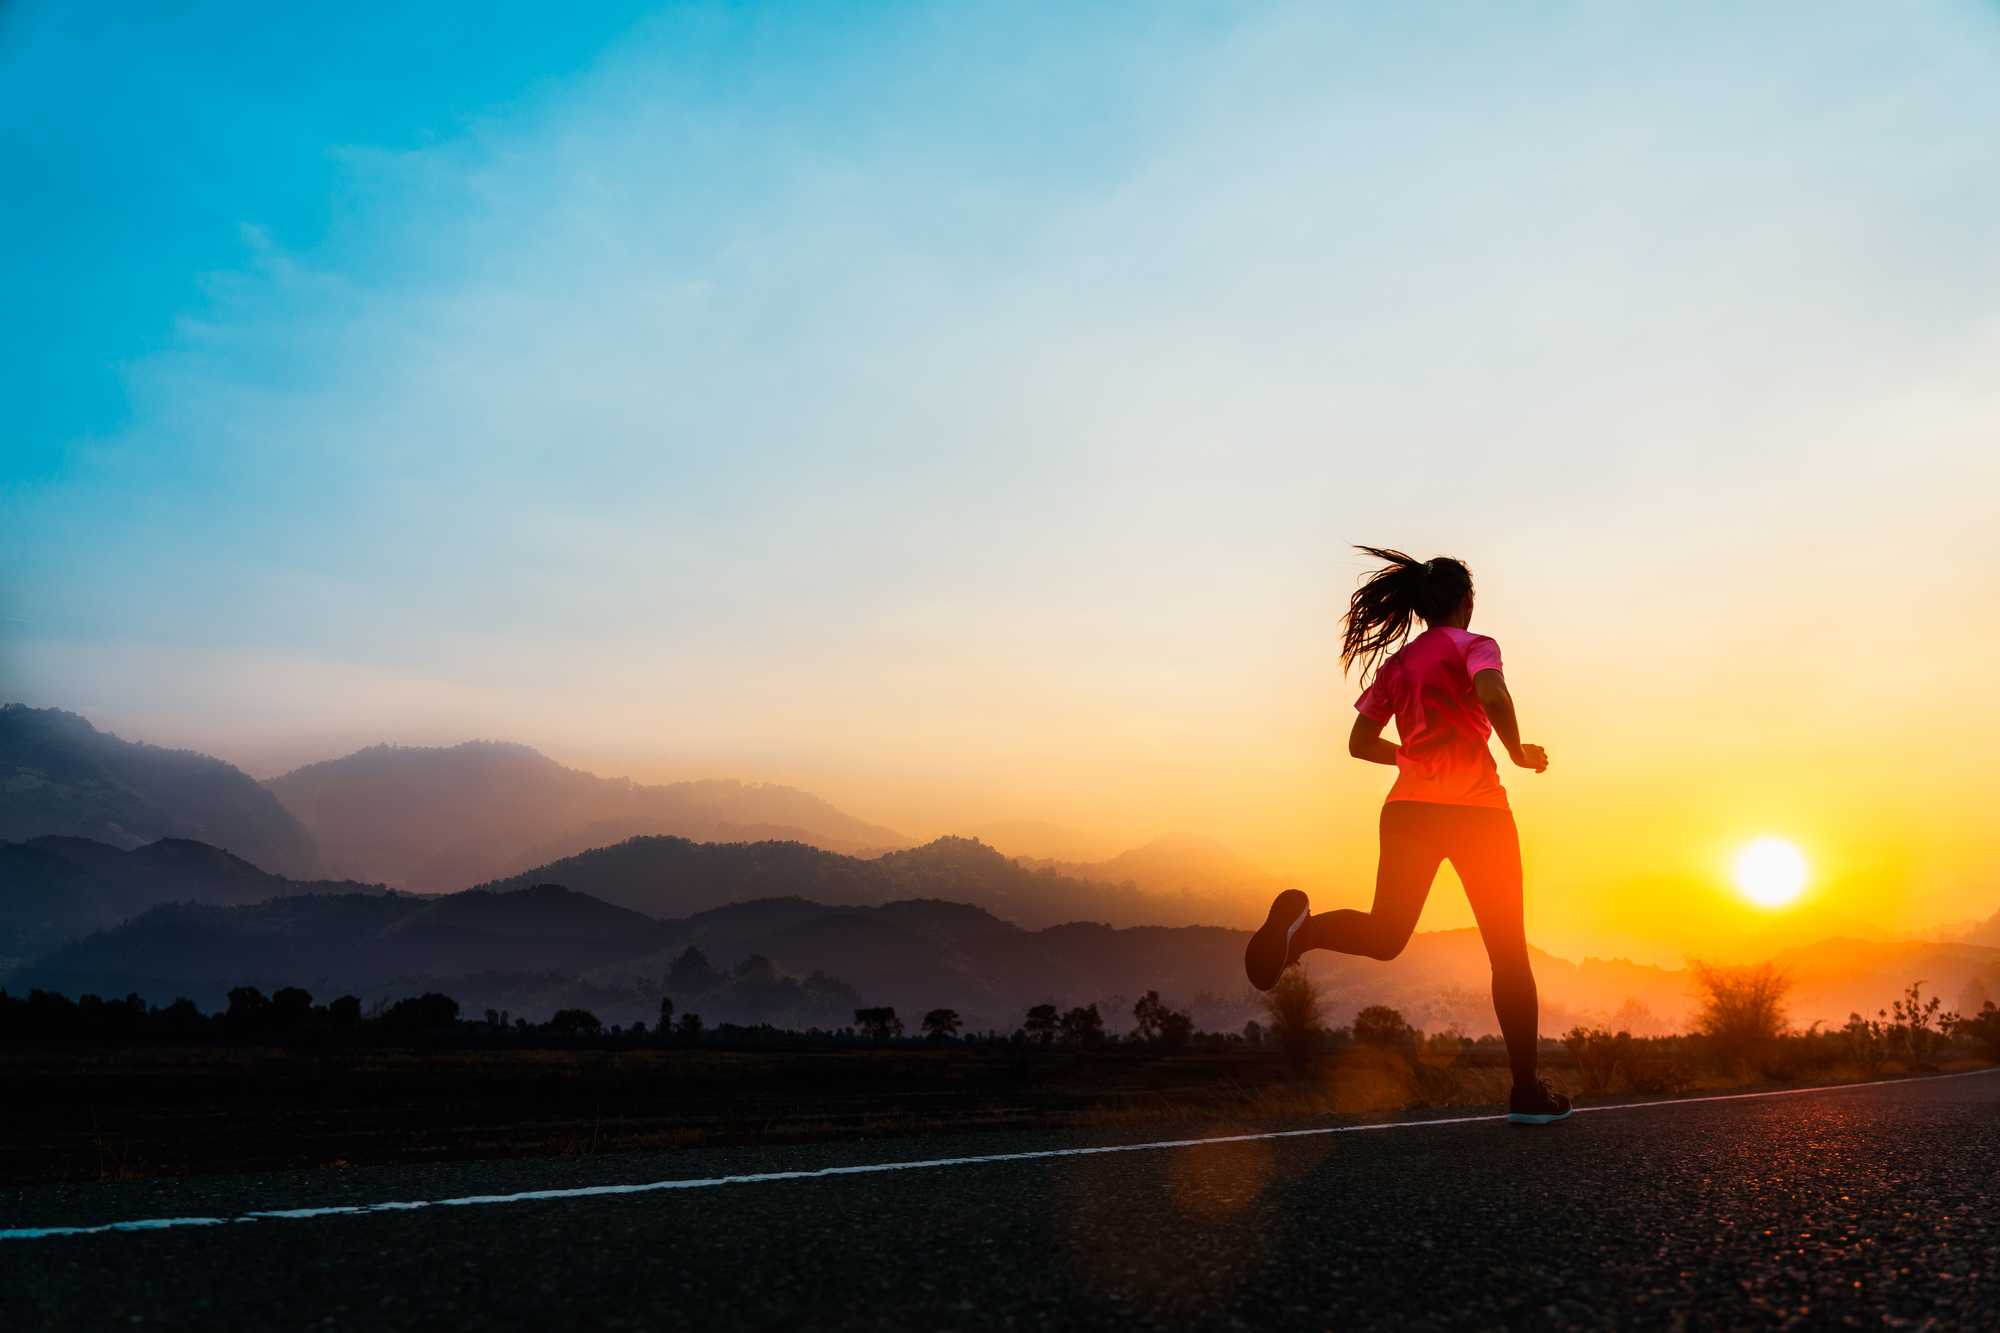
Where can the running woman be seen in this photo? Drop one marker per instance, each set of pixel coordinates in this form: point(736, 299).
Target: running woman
point(1445, 691)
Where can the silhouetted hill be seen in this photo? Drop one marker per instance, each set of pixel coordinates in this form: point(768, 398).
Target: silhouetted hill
point(1986, 933)
point(1835, 977)
point(671, 876)
point(56, 889)
point(792, 959)
point(61, 776)
point(330, 943)
point(1199, 873)
point(436, 819)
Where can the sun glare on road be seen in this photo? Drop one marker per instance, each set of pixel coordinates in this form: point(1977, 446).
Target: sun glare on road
point(1770, 872)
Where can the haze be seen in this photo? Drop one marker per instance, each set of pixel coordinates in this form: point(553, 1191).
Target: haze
point(965, 413)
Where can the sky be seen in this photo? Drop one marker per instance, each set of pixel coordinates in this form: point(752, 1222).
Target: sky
point(967, 411)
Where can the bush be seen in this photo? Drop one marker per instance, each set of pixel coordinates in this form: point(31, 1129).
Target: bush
point(1598, 1055)
point(1296, 1020)
point(1916, 1028)
point(1742, 1012)
point(1983, 1029)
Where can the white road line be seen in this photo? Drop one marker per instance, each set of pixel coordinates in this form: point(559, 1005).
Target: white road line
point(874, 1168)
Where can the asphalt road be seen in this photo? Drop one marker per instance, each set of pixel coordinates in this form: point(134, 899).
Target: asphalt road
point(1866, 1206)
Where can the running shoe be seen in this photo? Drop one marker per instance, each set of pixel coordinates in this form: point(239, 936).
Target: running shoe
point(1270, 949)
point(1537, 1103)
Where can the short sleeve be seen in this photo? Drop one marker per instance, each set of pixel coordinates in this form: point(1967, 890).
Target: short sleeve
point(1482, 654)
point(1378, 702)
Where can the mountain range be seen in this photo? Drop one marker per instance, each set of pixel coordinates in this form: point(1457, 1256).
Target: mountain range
point(675, 876)
point(56, 889)
point(792, 960)
point(61, 776)
point(436, 819)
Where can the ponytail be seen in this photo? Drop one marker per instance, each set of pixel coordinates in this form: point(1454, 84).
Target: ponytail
point(1390, 600)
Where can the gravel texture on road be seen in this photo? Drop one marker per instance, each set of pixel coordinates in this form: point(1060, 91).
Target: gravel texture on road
point(1857, 1206)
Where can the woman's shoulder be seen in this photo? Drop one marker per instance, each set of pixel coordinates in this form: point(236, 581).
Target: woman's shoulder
point(1480, 651)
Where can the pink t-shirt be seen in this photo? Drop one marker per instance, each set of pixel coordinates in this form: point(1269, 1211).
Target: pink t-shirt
point(1427, 688)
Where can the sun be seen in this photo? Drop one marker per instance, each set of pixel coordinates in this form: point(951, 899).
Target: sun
point(1770, 872)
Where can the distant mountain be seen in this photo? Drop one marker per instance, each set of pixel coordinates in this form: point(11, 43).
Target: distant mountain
point(1182, 864)
point(436, 819)
point(792, 960)
point(61, 776)
point(1037, 840)
point(54, 890)
point(1833, 978)
point(330, 943)
point(1986, 933)
point(672, 876)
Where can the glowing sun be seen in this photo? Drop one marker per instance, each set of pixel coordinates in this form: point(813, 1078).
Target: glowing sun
point(1770, 872)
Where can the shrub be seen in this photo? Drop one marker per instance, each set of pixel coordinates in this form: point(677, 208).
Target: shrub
point(1296, 1020)
point(1982, 1028)
point(1742, 1011)
point(1598, 1055)
point(1915, 1028)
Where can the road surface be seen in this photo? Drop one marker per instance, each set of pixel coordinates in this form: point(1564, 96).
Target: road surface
point(1870, 1205)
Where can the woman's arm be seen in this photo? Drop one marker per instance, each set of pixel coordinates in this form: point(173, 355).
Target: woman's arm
point(1491, 687)
point(1365, 741)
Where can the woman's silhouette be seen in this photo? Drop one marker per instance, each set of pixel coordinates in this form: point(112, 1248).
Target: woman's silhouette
point(1445, 691)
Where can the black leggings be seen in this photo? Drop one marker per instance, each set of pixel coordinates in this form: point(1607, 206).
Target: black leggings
point(1482, 846)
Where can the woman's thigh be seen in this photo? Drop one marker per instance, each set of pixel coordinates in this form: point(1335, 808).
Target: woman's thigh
point(1485, 850)
point(1411, 850)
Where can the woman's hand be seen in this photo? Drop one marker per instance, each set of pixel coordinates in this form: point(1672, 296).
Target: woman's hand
point(1530, 756)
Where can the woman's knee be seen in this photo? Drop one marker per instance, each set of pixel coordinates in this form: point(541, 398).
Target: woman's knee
point(1512, 968)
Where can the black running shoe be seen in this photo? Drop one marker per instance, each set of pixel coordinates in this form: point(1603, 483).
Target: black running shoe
point(1270, 949)
point(1537, 1104)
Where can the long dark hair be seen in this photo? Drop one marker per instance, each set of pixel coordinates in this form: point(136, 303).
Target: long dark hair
point(1381, 612)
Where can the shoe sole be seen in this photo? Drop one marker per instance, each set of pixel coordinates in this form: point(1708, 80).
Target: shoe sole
point(1525, 1118)
point(1264, 958)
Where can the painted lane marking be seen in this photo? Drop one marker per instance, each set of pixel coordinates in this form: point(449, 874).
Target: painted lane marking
point(874, 1168)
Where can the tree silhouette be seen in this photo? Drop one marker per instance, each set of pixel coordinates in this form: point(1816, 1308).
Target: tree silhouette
point(1293, 1005)
point(1380, 1025)
point(1146, 1016)
point(428, 1012)
point(575, 1023)
point(1042, 1023)
point(1155, 1021)
point(692, 973)
point(1082, 1026)
point(879, 1023)
point(941, 1024)
point(248, 1012)
point(690, 1028)
point(291, 1009)
point(1743, 1009)
point(666, 1026)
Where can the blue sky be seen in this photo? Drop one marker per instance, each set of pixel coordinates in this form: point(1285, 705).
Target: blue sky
point(917, 402)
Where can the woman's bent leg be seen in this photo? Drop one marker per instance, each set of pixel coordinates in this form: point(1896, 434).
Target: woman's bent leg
point(1486, 852)
point(1410, 852)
